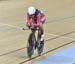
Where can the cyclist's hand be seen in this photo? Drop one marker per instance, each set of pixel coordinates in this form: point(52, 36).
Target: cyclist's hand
point(27, 24)
point(23, 28)
point(31, 27)
point(35, 25)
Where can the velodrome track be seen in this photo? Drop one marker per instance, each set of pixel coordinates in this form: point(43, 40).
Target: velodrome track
point(59, 29)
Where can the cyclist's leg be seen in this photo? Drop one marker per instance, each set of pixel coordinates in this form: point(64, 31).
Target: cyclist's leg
point(41, 32)
point(40, 39)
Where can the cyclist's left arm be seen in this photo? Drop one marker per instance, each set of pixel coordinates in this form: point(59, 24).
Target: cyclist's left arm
point(41, 18)
point(38, 20)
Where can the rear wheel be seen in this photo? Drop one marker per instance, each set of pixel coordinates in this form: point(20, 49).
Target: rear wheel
point(40, 47)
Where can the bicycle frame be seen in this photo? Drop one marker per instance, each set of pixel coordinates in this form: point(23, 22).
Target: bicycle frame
point(33, 43)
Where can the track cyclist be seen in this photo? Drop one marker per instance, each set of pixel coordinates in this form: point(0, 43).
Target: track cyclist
point(36, 18)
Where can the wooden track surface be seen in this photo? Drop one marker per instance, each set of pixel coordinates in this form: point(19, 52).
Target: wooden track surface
point(59, 28)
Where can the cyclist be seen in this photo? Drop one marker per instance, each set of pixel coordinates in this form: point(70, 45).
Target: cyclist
point(36, 18)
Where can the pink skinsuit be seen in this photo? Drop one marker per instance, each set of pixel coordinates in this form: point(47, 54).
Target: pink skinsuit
point(38, 19)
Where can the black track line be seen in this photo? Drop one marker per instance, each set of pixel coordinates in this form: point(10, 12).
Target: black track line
point(12, 51)
point(51, 21)
point(60, 36)
point(45, 40)
point(47, 52)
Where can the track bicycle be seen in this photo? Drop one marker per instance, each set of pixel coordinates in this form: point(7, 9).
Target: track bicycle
point(34, 43)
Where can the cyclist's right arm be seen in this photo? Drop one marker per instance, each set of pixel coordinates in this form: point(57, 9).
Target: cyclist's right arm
point(29, 23)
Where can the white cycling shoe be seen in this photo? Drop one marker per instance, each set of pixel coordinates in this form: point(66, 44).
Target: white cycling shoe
point(42, 37)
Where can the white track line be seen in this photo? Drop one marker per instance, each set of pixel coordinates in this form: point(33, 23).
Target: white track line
point(59, 35)
point(20, 28)
point(11, 26)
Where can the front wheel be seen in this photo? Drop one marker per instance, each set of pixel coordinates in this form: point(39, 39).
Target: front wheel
point(31, 45)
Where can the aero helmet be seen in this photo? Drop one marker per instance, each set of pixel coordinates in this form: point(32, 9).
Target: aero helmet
point(31, 10)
